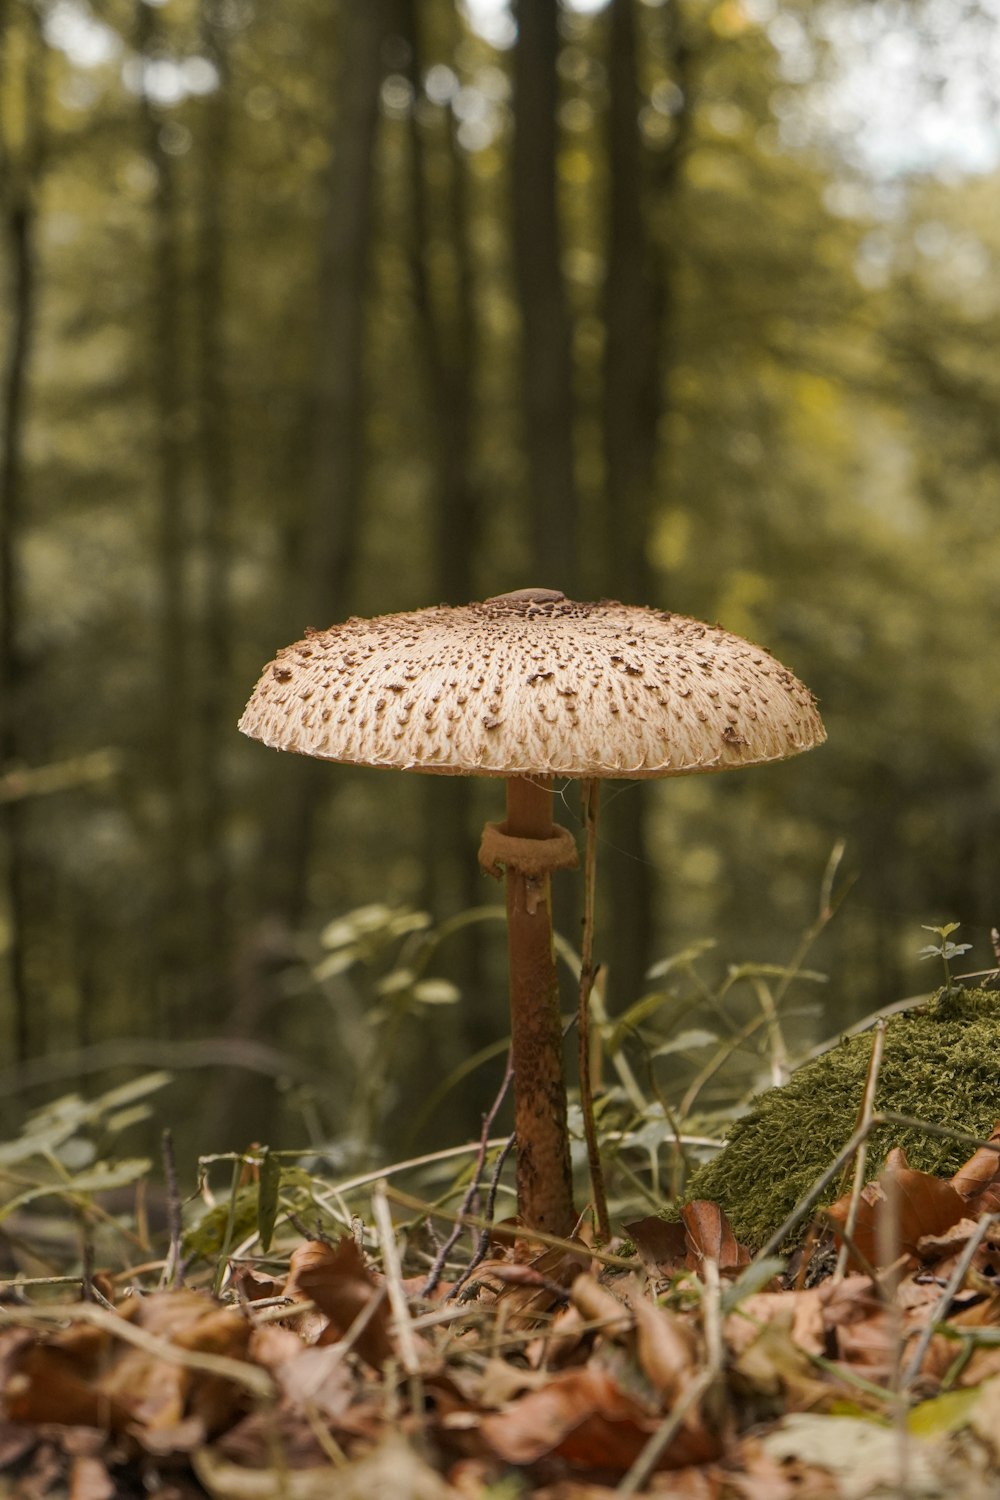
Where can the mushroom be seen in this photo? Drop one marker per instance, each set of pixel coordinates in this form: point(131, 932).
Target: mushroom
point(530, 686)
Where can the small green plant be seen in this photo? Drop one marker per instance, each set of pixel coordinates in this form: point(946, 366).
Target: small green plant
point(377, 973)
point(945, 950)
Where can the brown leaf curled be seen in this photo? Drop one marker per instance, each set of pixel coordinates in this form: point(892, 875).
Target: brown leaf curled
point(341, 1285)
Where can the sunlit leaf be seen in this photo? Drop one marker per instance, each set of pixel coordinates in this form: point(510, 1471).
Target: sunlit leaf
point(686, 1041)
point(943, 1414)
point(337, 963)
point(682, 959)
point(395, 983)
point(436, 992)
point(99, 1179)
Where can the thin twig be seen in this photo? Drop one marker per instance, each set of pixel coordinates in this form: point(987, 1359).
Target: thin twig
point(86, 1260)
point(394, 1280)
point(483, 1244)
point(861, 1160)
point(173, 1270)
point(591, 791)
point(519, 1231)
point(440, 1260)
point(813, 1194)
point(366, 1179)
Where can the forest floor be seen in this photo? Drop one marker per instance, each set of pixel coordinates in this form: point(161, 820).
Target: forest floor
point(673, 1363)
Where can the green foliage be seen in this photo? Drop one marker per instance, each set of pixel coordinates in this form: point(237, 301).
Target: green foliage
point(822, 401)
point(264, 1187)
point(65, 1152)
point(377, 975)
point(939, 1065)
point(945, 950)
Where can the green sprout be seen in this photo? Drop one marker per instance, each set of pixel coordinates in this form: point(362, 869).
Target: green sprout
point(945, 950)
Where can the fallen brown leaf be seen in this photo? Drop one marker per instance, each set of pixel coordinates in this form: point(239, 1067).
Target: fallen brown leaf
point(662, 1245)
point(46, 1386)
point(763, 1477)
point(320, 1378)
point(704, 1234)
point(666, 1347)
point(585, 1418)
point(981, 1170)
point(393, 1469)
point(777, 1373)
point(900, 1209)
point(341, 1285)
point(90, 1480)
point(800, 1312)
point(710, 1237)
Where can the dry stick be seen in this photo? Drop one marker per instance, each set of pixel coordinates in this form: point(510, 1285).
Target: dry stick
point(591, 792)
point(518, 1231)
point(952, 1286)
point(173, 1270)
point(393, 1273)
point(485, 1234)
point(861, 1160)
point(437, 1269)
point(810, 1198)
point(717, 1060)
point(394, 1280)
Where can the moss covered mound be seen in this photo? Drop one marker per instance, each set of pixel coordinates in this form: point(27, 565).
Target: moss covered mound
point(941, 1064)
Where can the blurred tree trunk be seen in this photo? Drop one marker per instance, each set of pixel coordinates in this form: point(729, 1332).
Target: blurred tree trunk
point(446, 326)
point(547, 353)
point(320, 588)
point(216, 710)
point(633, 351)
point(637, 295)
point(447, 337)
point(546, 328)
point(20, 160)
point(172, 681)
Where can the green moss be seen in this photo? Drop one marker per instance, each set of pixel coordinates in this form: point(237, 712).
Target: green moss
point(940, 1064)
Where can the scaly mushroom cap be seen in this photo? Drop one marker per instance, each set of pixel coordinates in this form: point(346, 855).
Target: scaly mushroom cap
point(532, 683)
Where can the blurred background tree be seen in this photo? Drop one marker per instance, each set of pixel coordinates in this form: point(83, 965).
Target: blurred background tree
point(320, 309)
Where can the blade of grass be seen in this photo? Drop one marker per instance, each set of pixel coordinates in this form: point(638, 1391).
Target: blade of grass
point(867, 1109)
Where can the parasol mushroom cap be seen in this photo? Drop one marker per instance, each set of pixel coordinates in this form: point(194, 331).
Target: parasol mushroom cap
point(529, 684)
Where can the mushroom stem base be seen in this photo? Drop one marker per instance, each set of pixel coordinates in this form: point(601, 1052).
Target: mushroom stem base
point(544, 1178)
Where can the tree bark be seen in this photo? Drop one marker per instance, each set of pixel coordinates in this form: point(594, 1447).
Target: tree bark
point(547, 358)
point(20, 158)
point(637, 293)
point(633, 330)
point(322, 579)
point(216, 710)
point(172, 684)
point(448, 350)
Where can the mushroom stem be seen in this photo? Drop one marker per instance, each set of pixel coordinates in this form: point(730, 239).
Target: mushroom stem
point(544, 1178)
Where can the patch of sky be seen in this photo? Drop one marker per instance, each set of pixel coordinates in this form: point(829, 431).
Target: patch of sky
point(168, 80)
point(87, 43)
point(904, 88)
point(897, 87)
